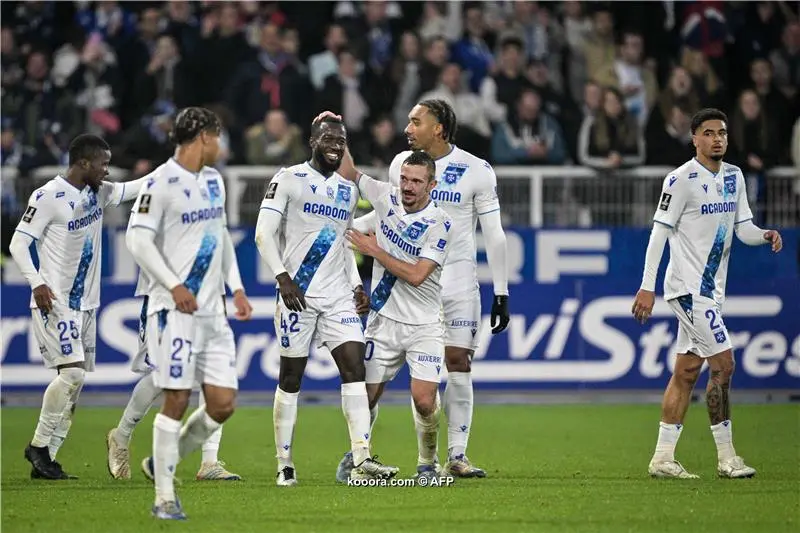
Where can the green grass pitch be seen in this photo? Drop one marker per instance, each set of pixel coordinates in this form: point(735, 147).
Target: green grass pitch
point(574, 468)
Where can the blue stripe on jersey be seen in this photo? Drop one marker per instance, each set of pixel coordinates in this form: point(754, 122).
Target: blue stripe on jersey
point(382, 291)
point(76, 293)
point(201, 263)
point(712, 263)
point(143, 318)
point(314, 257)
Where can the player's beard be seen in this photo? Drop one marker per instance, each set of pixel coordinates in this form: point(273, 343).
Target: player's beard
point(324, 165)
point(717, 157)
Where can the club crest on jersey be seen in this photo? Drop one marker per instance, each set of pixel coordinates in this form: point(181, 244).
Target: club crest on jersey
point(730, 184)
point(401, 226)
point(719, 336)
point(175, 371)
point(343, 194)
point(213, 189)
point(66, 349)
point(453, 173)
point(204, 194)
point(719, 188)
point(415, 230)
point(330, 192)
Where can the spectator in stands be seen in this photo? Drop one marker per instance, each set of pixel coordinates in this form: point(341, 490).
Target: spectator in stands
point(530, 136)
point(542, 37)
point(184, 27)
point(600, 52)
point(275, 141)
point(679, 90)
point(385, 143)
point(435, 58)
point(500, 91)
point(670, 145)
point(577, 28)
point(473, 132)
point(473, 52)
point(404, 76)
point(135, 52)
point(166, 78)
point(11, 150)
point(109, 19)
point(612, 138)
point(635, 78)
point(778, 110)
point(704, 28)
point(34, 26)
point(223, 53)
point(145, 145)
point(786, 62)
point(11, 61)
point(440, 19)
point(325, 63)
point(553, 100)
point(704, 79)
point(372, 35)
point(761, 34)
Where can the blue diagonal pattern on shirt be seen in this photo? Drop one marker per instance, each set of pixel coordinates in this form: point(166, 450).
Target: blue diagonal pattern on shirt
point(712, 263)
point(382, 291)
point(201, 263)
point(76, 293)
point(314, 257)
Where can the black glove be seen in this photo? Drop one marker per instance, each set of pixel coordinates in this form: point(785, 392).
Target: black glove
point(499, 313)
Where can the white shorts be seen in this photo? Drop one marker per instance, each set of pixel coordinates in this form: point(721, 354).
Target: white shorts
point(188, 349)
point(66, 336)
point(334, 320)
point(462, 316)
point(388, 341)
point(701, 329)
point(141, 363)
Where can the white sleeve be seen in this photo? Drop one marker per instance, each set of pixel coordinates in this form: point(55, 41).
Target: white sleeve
point(117, 192)
point(148, 210)
point(141, 243)
point(435, 247)
point(394, 168)
point(486, 199)
point(495, 241)
point(273, 208)
point(20, 248)
point(750, 234)
point(279, 192)
point(652, 258)
point(37, 215)
point(673, 200)
point(743, 212)
point(351, 266)
point(364, 224)
point(373, 190)
point(230, 265)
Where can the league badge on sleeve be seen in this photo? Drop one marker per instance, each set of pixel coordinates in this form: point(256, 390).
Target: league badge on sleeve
point(666, 198)
point(271, 188)
point(144, 204)
point(29, 212)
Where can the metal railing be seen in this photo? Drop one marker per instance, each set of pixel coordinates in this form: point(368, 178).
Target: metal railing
point(566, 196)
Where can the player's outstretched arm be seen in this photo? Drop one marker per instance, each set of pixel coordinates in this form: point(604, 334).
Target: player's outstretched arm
point(412, 273)
point(495, 241)
point(752, 235)
point(124, 191)
point(366, 223)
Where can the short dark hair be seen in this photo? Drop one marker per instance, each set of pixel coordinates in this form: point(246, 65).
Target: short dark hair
point(316, 127)
point(512, 40)
point(422, 159)
point(445, 116)
point(708, 113)
point(86, 147)
point(191, 121)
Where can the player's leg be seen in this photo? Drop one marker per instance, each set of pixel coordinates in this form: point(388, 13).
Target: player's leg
point(462, 316)
point(144, 395)
point(296, 331)
point(211, 468)
point(58, 336)
point(170, 336)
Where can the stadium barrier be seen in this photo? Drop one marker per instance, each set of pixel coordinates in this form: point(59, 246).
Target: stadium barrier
point(570, 329)
point(563, 196)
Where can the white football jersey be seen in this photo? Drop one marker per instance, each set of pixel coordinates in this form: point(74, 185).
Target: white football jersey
point(67, 224)
point(408, 237)
point(702, 208)
point(466, 187)
point(316, 212)
point(186, 210)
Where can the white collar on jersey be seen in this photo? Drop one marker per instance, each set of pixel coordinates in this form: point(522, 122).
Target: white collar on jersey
point(317, 172)
point(452, 149)
point(182, 169)
point(713, 174)
point(60, 177)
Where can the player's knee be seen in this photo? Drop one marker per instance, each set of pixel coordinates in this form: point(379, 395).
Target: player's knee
point(458, 360)
point(290, 382)
point(353, 371)
point(222, 410)
point(72, 376)
point(175, 403)
point(425, 404)
point(723, 369)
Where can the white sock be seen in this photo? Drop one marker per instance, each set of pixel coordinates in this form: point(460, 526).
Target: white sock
point(723, 436)
point(211, 445)
point(144, 395)
point(668, 435)
point(197, 429)
point(373, 416)
point(166, 433)
point(284, 417)
point(60, 434)
point(355, 405)
point(427, 434)
point(55, 400)
point(458, 401)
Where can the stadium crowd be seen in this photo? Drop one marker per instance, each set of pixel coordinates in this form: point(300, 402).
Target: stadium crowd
point(605, 85)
